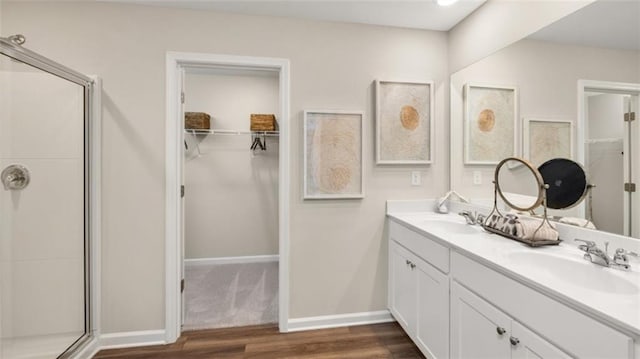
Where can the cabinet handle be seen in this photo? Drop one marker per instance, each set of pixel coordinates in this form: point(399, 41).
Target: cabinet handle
point(412, 265)
point(500, 330)
point(514, 341)
point(408, 262)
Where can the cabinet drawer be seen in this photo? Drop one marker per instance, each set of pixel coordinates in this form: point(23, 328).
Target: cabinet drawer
point(427, 249)
point(561, 325)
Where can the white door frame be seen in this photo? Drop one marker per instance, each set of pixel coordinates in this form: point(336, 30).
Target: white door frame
point(173, 177)
point(582, 129)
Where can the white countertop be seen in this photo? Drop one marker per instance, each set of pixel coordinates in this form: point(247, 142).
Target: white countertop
point(617, 300)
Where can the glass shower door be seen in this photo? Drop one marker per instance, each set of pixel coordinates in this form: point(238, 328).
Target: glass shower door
point(43, 226)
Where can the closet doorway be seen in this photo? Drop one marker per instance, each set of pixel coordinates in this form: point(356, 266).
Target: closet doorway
point(227, 220)
point(230, 198)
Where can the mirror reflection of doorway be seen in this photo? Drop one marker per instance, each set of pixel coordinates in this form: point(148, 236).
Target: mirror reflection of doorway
point(610, 145)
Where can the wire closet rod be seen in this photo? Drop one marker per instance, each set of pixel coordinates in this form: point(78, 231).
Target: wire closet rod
point(232, 132)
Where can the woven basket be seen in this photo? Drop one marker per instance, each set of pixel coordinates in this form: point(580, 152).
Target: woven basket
point(263, 122)
point(197, 121)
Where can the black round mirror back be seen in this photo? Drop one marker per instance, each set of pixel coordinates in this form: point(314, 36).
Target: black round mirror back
point(567, 182)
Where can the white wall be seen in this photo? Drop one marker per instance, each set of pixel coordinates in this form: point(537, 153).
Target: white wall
point(231, 197)
point(338, 254)
point(546, 76)
point(498, 23)
point(41, 226)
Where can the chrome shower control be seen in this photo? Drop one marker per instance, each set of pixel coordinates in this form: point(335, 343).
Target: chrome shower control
point(15, 177)
point(17, 39)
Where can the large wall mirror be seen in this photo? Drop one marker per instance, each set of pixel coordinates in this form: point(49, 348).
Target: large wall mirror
point(573, 84)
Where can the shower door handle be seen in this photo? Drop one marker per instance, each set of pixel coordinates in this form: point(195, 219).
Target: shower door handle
point(15, 177)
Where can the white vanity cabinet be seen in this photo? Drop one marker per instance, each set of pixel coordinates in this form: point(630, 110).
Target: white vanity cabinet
point(571, 331)
point(529, 345)
point(403, 289)
point(419, 296)
point(479, 330)
point(454, 303)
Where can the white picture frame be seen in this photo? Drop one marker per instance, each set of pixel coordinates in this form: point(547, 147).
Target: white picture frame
point(490, 123)
point(404, 122)
point(544, 139)
point(333, 154)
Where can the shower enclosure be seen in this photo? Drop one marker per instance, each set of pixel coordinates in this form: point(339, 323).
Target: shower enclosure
point(45, 205)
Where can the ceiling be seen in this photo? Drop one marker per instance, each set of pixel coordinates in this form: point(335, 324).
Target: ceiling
point(605, 23)
point(417, 14)
point(613, 24)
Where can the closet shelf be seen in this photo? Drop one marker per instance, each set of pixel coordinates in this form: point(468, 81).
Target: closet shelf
point(259, 138)
point(231, 132)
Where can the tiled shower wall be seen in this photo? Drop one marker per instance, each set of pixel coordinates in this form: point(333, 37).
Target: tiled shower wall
point(41, 227)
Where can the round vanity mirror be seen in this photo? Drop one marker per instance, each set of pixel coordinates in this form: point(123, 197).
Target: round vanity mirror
point(519, 184)
point(567, 182)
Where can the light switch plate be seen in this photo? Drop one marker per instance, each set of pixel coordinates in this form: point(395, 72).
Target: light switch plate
point(477, 177)
point(416, 178)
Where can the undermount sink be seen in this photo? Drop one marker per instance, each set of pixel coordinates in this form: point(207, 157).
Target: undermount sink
point(578, 272)
point(449, 226)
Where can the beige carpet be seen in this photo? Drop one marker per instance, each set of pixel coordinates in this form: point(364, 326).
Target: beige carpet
point(230, 295)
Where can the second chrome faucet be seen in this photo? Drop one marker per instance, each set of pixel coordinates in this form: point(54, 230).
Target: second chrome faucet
point(596, 255)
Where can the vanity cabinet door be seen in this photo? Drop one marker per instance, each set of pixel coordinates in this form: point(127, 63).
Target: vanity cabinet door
point(419, 300)
point(531, 346)
point(432, 332)
point(402, 287)
point(478, 330)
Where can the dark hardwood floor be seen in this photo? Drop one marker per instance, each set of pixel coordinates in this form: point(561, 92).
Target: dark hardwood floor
point(386, 340)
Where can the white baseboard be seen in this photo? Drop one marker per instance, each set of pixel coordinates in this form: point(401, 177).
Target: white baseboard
point(132, 339)
point(88, 350)
point(155, 337)
point(230, 260)
point(340, 320)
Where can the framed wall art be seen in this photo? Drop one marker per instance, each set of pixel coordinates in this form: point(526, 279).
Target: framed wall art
point(333, 160)
point(489, 123)
point(404, 122)
point(544, 139)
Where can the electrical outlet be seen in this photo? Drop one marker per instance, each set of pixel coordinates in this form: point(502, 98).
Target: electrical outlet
point(477, 177)
point(416, 178)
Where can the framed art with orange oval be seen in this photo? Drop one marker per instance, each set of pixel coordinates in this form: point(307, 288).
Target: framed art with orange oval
point(404, 122)
point(490, 123)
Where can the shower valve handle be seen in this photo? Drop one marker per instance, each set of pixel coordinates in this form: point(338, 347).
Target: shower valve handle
point(15, 177)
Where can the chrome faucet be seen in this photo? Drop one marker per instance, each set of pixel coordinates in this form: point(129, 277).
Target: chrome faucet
point(473, 217)
point(621, 258)
point(596, 255)
point(469, 217)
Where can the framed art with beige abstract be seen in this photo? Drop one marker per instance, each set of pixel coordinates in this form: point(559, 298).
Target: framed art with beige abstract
point(489, 123)
point(404, 122)
point(333, 158)
point(544, 139)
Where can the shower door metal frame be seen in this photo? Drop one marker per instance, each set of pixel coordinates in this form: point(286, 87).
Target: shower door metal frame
point(92, 86)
